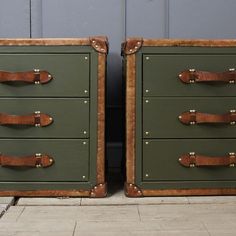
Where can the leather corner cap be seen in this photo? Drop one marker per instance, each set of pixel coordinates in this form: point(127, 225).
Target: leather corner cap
point(100, 44)
point(131, 46)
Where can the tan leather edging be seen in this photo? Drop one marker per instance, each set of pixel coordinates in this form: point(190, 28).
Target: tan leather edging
point(101, 119)
point(130, 118)
point(190, 43)
point(45, 193)
point(131, 46)
point(100, 44)
point(45, 42)
point(189, 192)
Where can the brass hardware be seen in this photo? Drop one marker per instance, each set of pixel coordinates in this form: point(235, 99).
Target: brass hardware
point(146, 142)
point(84, 143)
point(191, 81)
point(231, 69)
point(146, 175)
point(180, 117)
point(37, 112)
point(192, 123)
point(49, 76)
point(146, 90)
point(147, 101)
point(232, 165)
point(50, 160)
point(85, 91)
point(232, 122)
point(232, 81)
point(147, 58)
point(85, 102)
point(180, 75)
point(138, 43)
point(192, 70)
point(232, 153)
point(130, 185)
point(38, 166)
point(232, 111)
point(85, 132)
point(192, 111)
point(192, 153)
point(180, 159)
point(146, 132)
point(36, 70)
point(84, 177)
point(38, 155)
point(86, 58)
point(192, 165)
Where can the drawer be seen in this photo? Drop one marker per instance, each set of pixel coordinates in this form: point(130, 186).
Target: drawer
point(70, 118)
point(161, 160)
point(160, 74)
point(70, 74)
point(66, 153)
point(161, 117)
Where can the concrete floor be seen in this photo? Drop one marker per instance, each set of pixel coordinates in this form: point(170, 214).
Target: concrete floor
point(118, 215)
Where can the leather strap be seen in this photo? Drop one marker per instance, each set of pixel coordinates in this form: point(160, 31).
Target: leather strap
point(37, 160)
point(36, 119)
point(33, 77)
point(192, 117)
point(192, 76)
point(194, 160)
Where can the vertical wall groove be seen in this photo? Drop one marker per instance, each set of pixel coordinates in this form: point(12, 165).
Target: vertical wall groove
point(30, 18)
point(167, 20)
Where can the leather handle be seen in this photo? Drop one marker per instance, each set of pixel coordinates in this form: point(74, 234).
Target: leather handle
point(37, 160)
point(33, 77)
point(191, 76)
point(36, 119)
point(192, 117)
point(194, 160)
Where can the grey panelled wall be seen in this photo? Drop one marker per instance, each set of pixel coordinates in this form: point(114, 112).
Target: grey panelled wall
point(118, 19)
point(14, 18)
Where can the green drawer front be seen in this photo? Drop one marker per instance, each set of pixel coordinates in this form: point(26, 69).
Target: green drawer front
point(160, 117)
point(70, 73)
point(160, 160)
point(71, 158)
point(160, 75)
point(70, 117)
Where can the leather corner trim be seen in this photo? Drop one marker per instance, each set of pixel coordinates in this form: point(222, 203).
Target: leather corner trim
point(131, 190)
point(99, 191)
point(131, 46)
point(100, 44)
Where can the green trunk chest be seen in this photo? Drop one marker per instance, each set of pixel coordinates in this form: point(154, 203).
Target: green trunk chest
point(74, 100)
point(157, 140)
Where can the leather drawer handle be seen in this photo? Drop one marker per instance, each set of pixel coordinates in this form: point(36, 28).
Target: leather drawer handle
point(191, 76)
point(36, 119)
point(33, 77)
point(192, 117)
point(194, 160)
point(38, 160)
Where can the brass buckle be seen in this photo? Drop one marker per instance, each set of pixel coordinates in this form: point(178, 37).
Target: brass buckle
point(38, 156)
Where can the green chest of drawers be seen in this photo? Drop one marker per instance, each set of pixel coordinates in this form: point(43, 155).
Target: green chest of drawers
point(52, 94)
point(180, 117)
